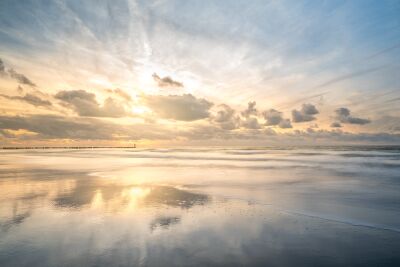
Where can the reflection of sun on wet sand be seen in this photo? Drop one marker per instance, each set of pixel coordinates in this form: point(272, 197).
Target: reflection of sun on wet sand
point(135, 197)
point(112, 196)
point(172, 196)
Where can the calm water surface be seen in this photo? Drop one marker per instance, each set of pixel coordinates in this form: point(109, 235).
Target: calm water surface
point(200, 207)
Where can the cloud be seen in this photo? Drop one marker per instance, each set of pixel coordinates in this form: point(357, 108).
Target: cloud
point(121, 94)
point(285, 124)
point(336, 125)
point(269, 136)
point(309, 109)
point(307, 113)
point(251, 123)
point(57, 127)
point(29, 98)
point(86, 105)
point(166, 81)
point(274, 117)
point(250, 114)
point(343, 115)
point(226, 117)
point(298, 116)
point(78, 128)
point(178, 107)
point(21, 78)
point(224, 114)
point(251, 110)
point(52, 127)
point(2, 68)
point(350, 76)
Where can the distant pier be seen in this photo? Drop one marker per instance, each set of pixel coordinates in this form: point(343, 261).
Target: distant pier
point(66, 147)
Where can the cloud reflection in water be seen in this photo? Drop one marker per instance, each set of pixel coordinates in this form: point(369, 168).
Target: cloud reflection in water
point(87, 192)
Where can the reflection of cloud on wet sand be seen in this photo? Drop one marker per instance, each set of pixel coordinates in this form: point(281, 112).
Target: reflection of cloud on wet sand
point(22, 192)
point(79, 192)
point(15, 220)
point(84, 193)
point(164, 222)
point(93, 192)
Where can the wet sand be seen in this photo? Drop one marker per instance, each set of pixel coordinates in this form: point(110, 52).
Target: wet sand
point(200, 207)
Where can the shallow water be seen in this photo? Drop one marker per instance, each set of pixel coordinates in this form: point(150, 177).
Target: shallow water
point(200, 207)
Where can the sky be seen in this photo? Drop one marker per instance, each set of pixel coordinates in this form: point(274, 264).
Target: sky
point(166, 73)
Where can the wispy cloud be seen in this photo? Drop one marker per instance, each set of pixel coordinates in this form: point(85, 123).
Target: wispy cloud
point(19, 77)
point(224, 69)
point(350, 76)
point(30, 99)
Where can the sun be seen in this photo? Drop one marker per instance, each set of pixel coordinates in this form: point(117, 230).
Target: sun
point(140, 110)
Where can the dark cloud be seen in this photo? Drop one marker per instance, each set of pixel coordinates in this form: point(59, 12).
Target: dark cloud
point(29, 98)
point(285, 124)
point(298, 116)
point(309, 109)
point(166, 81)
point(226, 117)
point(49, 127)
point(225, 113)
point(58, 127)
point(86, 105)
point(336, 125)
point(251, 110)
point(178, 107)
point(21, 78)
point(251, 123)
point(250, 120)
point(274, 117)
point(2, 68)
point(342, 112)
point(20, 89)
point(343, 115)
point(307, 113)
